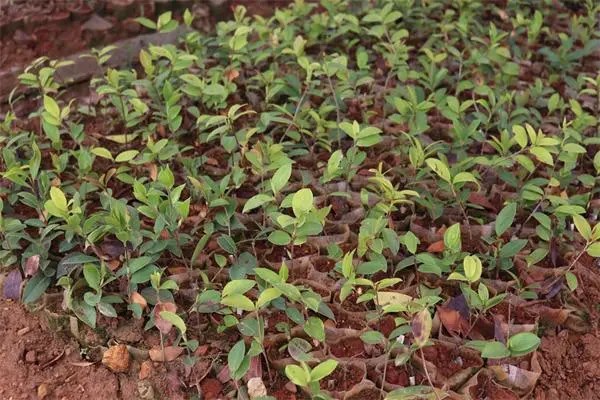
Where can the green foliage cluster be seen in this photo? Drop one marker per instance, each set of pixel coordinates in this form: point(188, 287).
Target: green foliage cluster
point(463, 137)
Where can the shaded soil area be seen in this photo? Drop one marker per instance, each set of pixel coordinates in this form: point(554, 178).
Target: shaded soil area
point(31, 29)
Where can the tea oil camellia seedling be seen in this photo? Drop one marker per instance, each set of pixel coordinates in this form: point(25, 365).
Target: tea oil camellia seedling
point(344, 200)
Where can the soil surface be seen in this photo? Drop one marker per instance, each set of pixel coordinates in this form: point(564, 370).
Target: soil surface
point(36, 361)
point(570, 367)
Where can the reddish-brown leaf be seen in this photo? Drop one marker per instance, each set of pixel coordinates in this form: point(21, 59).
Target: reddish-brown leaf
point(163, 325)
point(32, 265)
point(436, 247)
point(453, 320)
point(232, 74)
point(481, 200)
point(137, 298)
point(170, 353)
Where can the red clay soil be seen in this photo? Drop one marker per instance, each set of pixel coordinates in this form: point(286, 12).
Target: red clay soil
point(488, 389)
point(344, 377)
point(35, 28)
point(570, 367)
point(35, 360)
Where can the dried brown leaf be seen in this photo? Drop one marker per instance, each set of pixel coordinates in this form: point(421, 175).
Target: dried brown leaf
point(170, 353)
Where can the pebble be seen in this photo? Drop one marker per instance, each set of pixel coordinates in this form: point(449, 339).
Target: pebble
point(116, 358)
point(290, 387)
point(145, 370)
point(23, 331)
point(30, 357)
point(145, 390)
point(43, 391)
point(256, 388)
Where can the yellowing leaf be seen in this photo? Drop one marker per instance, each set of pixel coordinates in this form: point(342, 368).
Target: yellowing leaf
point(421, 327)
point(102, 152)
point(393, 298)
point(127, 155)
point(58, 198)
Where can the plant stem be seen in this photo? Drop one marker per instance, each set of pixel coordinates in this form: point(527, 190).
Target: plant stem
point(338, 117)
point(293, 121)
point(387, 358)
point(437, 396)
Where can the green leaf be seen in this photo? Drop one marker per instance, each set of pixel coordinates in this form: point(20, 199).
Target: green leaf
point(279, 238)
point(523, 343)
point(333, 163)
point(85, 312)
point(238, 286)
point(136, 264)
point(439, 168)
point(571, 281)
point(91, 273)
point(452, 238)
point(594, 249)
point(373, 337)
point(505, 218)
point(267, 296)
point(322, 370)
point(302, 202)
point(146, 22)
point(473, 268)
point(51, 106)
point(281, 177)
point(494, 350)
point(227, 243)
point(127, 155)
point(175, 320)
point(107, 310)
point(569, 209)
point(35, 287)
point(71, 261)
point(166, 177)
point(520, 135)
point(553, 102)
point(315, 328)
point(58, 198)
point(542, 154)
point(297, 375)
point(257, 201)
point(411, 241)
point(457, 276)
point(236, 356)
point(238, 301)
point(462, 177)
point(102, 152)
point(583, 226)
point(511, 248)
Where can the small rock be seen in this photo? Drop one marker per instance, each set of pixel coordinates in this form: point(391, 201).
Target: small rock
point(290, 387)
point(30, 357)
point(96, 23)
point(211, 388)
point(145, 370)
point(131, 25)
point(23, 331)
point(145, 390)
point(116, 358)
point(329, 324)
point(256, 388)
point(43, 391)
